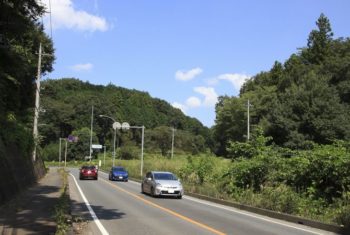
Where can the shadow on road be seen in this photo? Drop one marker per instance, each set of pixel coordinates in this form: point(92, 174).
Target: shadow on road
point(32, 212)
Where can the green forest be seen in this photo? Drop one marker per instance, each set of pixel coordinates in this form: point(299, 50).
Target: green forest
point(68, 111)
point(297, 159)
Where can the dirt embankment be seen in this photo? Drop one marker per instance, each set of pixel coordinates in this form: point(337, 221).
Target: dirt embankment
point(17, 172)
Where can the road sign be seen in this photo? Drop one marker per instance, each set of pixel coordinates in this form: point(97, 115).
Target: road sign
point(72, 138)
point(96, 146)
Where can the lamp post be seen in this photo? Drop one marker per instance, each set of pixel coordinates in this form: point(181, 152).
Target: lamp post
point(126, 126)
point(116, 125)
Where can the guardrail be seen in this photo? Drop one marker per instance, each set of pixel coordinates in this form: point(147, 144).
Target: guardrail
point(273, 214)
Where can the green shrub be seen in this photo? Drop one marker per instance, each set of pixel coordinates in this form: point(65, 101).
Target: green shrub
point(50, 152)
point(128, 152)
point(197, 170)
point(281, 198)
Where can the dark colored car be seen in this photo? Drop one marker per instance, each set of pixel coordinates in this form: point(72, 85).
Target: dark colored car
point(118, 173)
point(88, 172)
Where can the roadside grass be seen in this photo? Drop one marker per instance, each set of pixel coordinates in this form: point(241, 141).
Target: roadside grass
point(62, 209)
point(204, 174)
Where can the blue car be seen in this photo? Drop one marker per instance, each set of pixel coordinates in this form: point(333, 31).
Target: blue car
point(118, 173)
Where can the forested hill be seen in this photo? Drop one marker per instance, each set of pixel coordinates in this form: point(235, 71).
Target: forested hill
point(68, 103)
point(300, 102)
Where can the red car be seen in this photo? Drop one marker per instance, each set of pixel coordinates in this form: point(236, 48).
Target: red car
point(88, 172)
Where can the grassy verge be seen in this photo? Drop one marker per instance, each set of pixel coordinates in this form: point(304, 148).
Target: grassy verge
point(62, 209)
point(204, 175)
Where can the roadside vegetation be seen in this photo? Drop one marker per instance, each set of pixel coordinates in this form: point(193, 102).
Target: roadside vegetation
point(297, 160)
point(309, 183)
point(62, 209)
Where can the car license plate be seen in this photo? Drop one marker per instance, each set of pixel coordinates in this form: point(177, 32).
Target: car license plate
point(170, 190)
point(120, 177)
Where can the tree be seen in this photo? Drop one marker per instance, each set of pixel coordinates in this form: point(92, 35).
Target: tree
point(162, 137)
point(78, 150)
point(230, 122)
point(318, 43)
point(20, 34)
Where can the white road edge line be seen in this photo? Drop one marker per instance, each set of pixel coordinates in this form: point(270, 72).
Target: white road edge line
point(241, 212)
point(249, 214)
point(93, 215)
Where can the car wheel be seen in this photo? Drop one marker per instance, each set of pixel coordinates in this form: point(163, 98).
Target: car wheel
point(126, 180)
point(179, 197)
point(142, 190)
point(153, 192)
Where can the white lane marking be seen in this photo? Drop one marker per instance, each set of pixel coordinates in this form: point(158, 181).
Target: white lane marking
point(241, 212)
point(249, 214)
point(93, 215)
point(130, 181)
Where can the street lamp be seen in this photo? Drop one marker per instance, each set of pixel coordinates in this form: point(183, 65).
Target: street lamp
point(126, 126)
point(116, 125)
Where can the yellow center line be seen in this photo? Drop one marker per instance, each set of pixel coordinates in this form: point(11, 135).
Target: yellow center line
point(167, 210)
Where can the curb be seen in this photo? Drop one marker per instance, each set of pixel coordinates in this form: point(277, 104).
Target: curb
point(273, 214)
point(276, 215)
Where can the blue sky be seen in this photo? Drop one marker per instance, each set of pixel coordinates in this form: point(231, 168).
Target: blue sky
point(187, 52)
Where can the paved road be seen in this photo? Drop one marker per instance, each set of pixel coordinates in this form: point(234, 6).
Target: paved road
point(120, 208)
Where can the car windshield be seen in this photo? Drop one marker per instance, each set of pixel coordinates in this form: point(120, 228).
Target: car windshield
point(118, 169)
point(164, 176)
point(88, 167)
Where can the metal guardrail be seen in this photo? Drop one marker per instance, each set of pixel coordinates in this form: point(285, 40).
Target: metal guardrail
point(273, 214)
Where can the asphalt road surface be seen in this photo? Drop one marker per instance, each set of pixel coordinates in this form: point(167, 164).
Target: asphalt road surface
point(121, 208)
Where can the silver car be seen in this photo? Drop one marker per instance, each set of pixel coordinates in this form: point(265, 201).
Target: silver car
point(161, 183)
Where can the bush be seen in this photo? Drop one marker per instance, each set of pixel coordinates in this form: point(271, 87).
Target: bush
point(50, 152)
point(197, 170)
point(281, 198)
point(129, 152)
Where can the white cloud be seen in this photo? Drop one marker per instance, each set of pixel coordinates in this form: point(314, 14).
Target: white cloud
point(188, 75)
point(210, 96)
point(182, 107)
point(193, 102)
point(82, 67)
point(236, 79)
point(64, 15)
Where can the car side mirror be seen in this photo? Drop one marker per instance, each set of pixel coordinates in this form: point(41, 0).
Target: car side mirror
point(149, 179)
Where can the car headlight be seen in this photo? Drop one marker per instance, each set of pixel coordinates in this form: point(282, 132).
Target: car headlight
point(158, 185)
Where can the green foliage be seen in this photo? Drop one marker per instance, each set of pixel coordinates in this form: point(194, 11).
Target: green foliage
point(247, 174)
point(197, 170)
point(78, 150)
point(67, 110)
point(281, 198)
point(50, 152)
point(21, 32)
point(256, 146)
point(16, 134)
point(302, 102)
point(129, 152)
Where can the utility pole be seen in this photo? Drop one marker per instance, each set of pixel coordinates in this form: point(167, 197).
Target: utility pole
point(92, 123)
point(142, 143)
point(104, 156)
point(36, 109)
point(59, 154)
point(65, 155)
point(172, 143)
point(248, 121)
